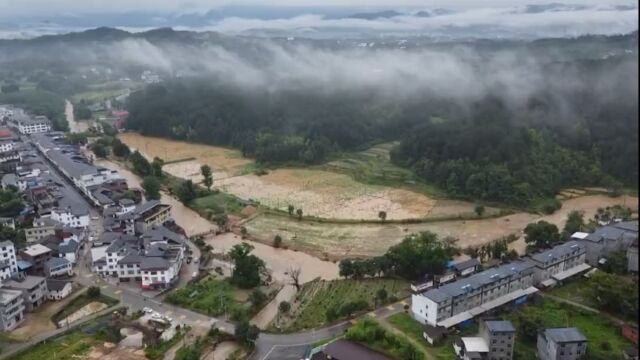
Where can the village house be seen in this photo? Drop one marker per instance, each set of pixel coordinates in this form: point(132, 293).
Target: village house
point(561, 344)
point(37, 255)
point(610, 238)
point(33, 288)
point(496, 341)
point(58, 289)
point(11, 309)
point(559, 263)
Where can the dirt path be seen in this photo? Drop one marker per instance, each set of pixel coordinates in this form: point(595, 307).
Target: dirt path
point(270, 311)
point(385, 324)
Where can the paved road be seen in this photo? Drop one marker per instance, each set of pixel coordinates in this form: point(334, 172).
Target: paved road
point(293, 346)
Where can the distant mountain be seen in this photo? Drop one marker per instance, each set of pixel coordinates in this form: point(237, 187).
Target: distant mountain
point(375, 15)
point(434, 12)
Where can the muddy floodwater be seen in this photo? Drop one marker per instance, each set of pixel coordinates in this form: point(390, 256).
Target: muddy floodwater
point(279, 261)
point(189, 220)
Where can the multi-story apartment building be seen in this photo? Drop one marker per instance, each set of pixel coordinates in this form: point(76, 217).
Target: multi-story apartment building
point(559, 263)
point(610, 238)
point(468, 297)
point(33, 288)
point(75, 166)
point(149, 214)
point(42, 227)
point(495, 342)
point(8, 261)
point(35, 125)
point(11, 309)
point(561, 344)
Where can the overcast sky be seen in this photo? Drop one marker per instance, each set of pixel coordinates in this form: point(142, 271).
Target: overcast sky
point(10, 8)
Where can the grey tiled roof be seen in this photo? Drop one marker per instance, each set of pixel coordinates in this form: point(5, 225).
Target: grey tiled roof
point(558, 252)
point(560, 335)
point(499, 326)
point(57, 285)
point(154, 263)
point(460, 266)
point(70, 247)
point(478, 280)
point(56, 261)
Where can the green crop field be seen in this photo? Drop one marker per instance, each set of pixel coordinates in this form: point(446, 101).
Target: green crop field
point(208, 296)
point(67, 347)
point(316, 297)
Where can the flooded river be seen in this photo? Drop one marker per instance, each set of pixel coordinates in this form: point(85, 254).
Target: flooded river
point(279, 261)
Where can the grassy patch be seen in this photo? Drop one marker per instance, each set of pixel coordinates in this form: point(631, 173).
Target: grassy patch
point(316, 297)
point(373, 166)
point(66, 347)
point(577, 290)
point(216, 203)
point(406, 324)
point(596, 329)
point(79, 302)
point(371, 333)
point(97, 95)
point(157, 352)
point(208, 296)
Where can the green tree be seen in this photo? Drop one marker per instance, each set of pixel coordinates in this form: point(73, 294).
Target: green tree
point(382, 215)
point(151, 186)
point(93, 292)
point(207, 176)
point(257, 298)
point(299, 213)
point(156, 167)
point(277, 241)
point(187, 192)
point(10, 202)
point(141, 165)
point(381, 295)
point(284, 307)
point(290, 209)
point(248, 267)
point(246, 334)
point(479, 209)
point(120, 149)
point(575, 223)
point(420, 254)
point(541, 234)
point(99, 150)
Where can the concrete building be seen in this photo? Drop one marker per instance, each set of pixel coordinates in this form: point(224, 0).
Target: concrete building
point(11, 309)
point(466, 268)
point(6, 145)
point(466, 298)
point(33, 288)
point(495, 342)
point(610, 238)
point(559, 263)
point(71, 216)
point(561, 344)
point(38, 124)
point(8, 261)
point(37, 255)
point(58, 289)
point(58, 266)
point(41, 228)
point(149, 214)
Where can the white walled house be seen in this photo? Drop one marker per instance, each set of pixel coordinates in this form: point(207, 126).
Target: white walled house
point(6, 146)
point(36, 125)
point(58, 266)
point(8, 260)
point(58, 289)
point(11, 309)
point(70, 216)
